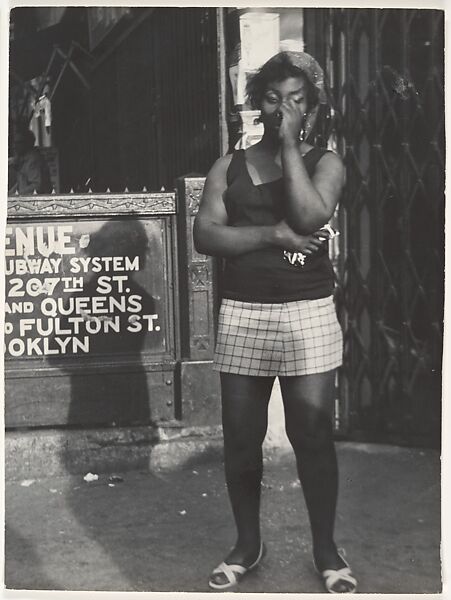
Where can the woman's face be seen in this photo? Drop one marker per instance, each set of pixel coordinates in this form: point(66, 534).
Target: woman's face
point(278, 93)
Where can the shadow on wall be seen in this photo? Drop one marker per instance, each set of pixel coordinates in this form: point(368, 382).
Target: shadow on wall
point(111, 389)
point(116, 396)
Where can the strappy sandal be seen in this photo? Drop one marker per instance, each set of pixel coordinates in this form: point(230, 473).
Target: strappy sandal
point(234, 573)
point(330, 577)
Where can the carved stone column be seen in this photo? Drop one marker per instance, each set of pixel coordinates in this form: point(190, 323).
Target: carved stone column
point(198, 299)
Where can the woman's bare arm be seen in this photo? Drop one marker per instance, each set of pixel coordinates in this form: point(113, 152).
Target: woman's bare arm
point(311, 202)
point(213, 236)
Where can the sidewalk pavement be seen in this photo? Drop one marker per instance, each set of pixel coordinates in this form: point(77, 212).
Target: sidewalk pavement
point(165, 531)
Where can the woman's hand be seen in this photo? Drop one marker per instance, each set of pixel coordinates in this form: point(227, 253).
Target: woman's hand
point(287, 239)
point(291, 125)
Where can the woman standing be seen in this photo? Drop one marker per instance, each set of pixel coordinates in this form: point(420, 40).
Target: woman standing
point(262, 210)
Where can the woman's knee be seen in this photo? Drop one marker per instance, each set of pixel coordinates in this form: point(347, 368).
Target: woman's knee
point(242, 453)
point(314, 432)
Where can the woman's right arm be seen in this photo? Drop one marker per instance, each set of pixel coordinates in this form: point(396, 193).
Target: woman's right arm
point(214, 237)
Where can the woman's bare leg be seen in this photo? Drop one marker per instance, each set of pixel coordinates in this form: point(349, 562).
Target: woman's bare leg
point(245, 419)
point(308, 403)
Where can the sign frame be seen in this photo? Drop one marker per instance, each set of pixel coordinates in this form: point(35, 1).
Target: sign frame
point(23, 373)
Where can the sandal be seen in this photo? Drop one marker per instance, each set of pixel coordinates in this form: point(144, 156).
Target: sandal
point(331, 577)
point(234, 573)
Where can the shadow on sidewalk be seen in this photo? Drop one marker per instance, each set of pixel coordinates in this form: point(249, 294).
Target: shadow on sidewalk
point(23, 567)
point(166, 532)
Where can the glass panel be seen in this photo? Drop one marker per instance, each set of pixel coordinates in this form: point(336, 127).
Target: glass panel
point(253, 35)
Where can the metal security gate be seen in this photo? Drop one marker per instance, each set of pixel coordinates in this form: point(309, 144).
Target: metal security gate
point(385, 75)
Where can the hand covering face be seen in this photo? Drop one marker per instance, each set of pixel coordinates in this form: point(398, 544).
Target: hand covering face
point(314, 73)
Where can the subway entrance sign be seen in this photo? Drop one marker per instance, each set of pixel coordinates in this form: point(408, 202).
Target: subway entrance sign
point(94, 326)
point(89, 288)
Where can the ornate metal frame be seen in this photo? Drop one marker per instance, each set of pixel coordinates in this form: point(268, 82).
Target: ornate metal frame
point(57, 205)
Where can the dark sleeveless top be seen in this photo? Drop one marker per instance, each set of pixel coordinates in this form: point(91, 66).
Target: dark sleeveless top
point(265, 275)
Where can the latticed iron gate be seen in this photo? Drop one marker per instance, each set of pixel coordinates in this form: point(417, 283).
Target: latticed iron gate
point(385, 74)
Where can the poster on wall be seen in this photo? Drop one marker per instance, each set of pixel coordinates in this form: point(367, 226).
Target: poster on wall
point(88, 289)
point(259, 34)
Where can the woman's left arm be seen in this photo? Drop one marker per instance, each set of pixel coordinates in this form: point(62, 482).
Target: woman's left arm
point(310, 202)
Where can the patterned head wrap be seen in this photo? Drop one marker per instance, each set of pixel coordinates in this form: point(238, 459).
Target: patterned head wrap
point(311, 69)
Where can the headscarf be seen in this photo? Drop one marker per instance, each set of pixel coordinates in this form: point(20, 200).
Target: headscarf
point(311, 69)
point(314, 73)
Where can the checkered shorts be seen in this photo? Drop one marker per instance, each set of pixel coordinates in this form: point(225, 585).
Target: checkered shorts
point(290, 338)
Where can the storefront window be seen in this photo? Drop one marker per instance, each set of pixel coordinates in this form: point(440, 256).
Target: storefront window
point(252, 37)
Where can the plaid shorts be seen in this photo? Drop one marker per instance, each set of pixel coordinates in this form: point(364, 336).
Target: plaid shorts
point(289, 338)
